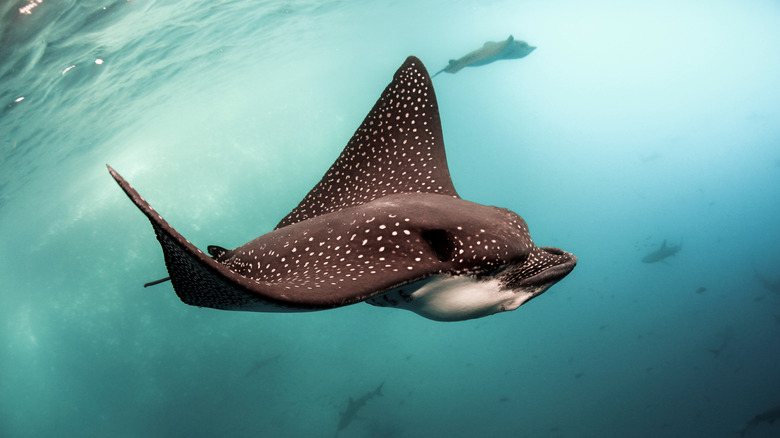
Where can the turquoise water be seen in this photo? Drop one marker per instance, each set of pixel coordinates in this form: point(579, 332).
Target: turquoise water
point(631, 124)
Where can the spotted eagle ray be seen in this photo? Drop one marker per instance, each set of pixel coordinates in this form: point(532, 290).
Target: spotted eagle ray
point(491, 51)
point(384, 225)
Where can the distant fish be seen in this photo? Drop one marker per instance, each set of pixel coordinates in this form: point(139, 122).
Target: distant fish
point(651, 157)
point(725, 340)
point(701, 289)
point(260, 364)
point(768, 283)
point(353, 406)
point(661, 253)
point(769, 416)
point(491, 51)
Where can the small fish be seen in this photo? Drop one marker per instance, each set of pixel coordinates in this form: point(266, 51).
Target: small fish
point(725, 337)
point(260, 364)
point(353, 406)
point(769, 416)
point(769, 284)
point(661, 253)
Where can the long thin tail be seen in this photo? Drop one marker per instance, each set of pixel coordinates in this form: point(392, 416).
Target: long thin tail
point(162, 280)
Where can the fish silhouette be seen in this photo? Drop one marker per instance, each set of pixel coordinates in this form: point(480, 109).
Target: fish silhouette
point(491, 51)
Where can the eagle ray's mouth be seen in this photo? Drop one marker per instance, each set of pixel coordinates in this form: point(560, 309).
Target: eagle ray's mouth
point(544, 267)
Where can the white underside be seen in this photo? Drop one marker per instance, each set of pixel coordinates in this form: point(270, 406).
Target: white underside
point(448, 298)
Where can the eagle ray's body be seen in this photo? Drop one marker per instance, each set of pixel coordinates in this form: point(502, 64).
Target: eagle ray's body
point(384, 225)
point(491, 51)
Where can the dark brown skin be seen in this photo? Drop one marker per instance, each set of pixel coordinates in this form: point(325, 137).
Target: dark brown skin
point(385, 214)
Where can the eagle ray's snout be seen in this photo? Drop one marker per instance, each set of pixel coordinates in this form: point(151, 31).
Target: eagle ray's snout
point(562, 261)
point(544, 267)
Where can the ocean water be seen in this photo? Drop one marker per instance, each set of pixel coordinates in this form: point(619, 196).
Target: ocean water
point(633, 123)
